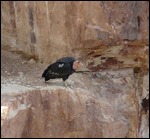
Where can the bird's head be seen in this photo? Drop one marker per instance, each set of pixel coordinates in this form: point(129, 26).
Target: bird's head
point(77, 64)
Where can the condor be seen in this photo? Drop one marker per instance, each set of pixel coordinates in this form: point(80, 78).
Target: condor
point(62, 68)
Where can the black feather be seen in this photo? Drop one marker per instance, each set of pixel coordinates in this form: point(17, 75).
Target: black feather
point(62, 68)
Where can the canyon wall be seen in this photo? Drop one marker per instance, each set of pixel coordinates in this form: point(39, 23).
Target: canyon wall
point(50, 30)
point(111, 36)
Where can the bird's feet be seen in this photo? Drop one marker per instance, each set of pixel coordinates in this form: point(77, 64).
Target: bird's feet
point(69, 84)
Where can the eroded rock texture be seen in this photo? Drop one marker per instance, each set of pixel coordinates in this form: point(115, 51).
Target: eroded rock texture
point(50, 30)
point(105, 104)
point(111, 38)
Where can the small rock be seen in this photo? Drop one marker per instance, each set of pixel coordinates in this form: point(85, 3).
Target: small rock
point(32, 61)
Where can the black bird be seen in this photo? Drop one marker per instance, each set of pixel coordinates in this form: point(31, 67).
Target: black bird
point(62, 68)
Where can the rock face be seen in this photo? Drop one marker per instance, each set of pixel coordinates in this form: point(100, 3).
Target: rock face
point(104, 104)
point(50, 30)
point(63, 113)
point(111, 38)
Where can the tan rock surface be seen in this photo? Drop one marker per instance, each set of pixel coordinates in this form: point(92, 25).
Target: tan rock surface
point(110, 37)
point(50, 30)
point(101, 104)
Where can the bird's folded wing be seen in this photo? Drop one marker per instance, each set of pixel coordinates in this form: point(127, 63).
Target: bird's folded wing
point(59, 69)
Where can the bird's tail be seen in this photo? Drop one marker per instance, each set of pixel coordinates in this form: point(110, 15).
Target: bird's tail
point(45, 73)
